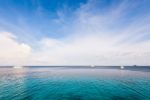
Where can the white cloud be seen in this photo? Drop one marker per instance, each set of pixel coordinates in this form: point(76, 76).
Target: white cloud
point(11, 51)
point(90, 50)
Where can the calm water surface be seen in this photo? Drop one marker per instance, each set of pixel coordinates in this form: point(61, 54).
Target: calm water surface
point(73, 84)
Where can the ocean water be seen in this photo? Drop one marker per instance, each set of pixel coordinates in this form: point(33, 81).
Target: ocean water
point(74, 84)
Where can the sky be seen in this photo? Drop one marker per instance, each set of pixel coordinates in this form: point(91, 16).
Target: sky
point(74, 32)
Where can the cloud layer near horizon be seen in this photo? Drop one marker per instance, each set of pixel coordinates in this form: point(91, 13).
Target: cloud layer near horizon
point(95, 37)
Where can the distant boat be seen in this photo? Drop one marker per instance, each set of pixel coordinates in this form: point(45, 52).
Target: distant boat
point(17, 67)
point(121, 67)
point(92, 65)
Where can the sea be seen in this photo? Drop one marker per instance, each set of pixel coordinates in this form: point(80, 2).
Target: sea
point(75, 83)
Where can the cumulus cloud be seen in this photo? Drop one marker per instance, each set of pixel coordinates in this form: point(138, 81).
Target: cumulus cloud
point(11, 51)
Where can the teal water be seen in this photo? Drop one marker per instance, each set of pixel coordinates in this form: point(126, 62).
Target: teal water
point(73, 84)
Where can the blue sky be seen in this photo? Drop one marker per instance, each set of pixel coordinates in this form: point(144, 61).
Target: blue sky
point(55, 32)
point(36, 16)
